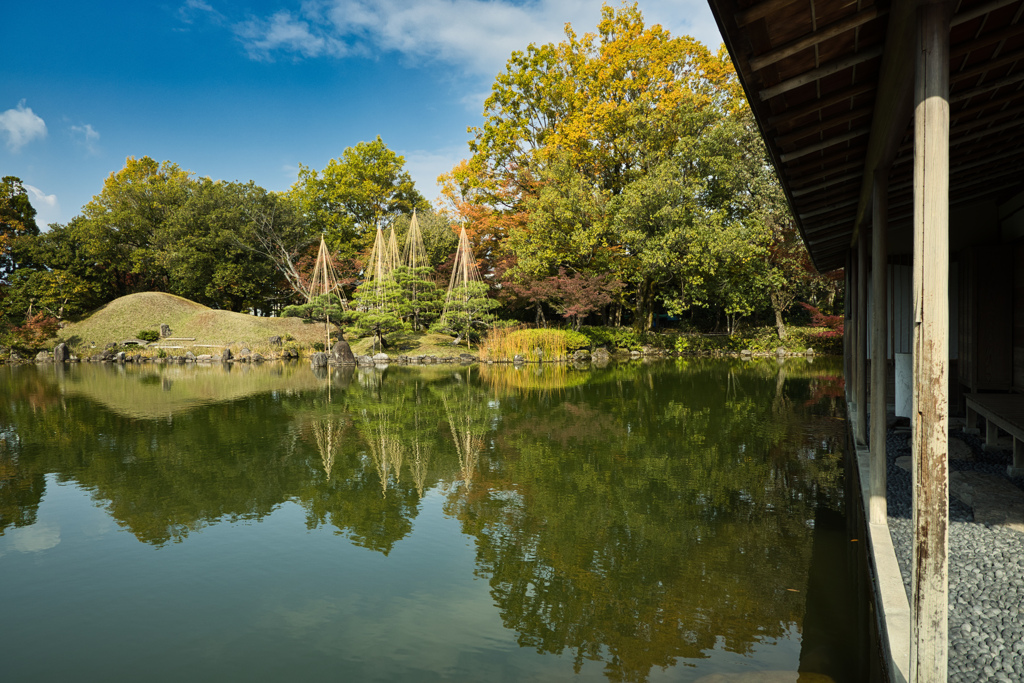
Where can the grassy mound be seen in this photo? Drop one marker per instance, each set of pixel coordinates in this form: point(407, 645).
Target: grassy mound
point(123, 318)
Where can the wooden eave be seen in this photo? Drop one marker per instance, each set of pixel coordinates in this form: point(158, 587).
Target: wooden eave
point(830, 84)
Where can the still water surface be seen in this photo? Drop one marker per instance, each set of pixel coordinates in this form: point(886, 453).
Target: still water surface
point(661, 522)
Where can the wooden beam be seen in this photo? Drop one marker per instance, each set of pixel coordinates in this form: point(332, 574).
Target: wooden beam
point(878, 512)
point(986, 66)
point(979, 11)
point(822, 71)
point(929, 604)
point(1011, 98)
point(836, 28)
point(825, 183)
point(814, 106)
point(827, 209)
point(987, 87)
point(960, 139)
point(893, 100)
point(824, 144)
point(829, 163)
point(814, 171)
point(819, 126)
point(984, 40)
point(861, 341)
point(958, 123)
point(760, 11)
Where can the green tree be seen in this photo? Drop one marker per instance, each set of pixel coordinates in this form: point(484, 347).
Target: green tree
point(200, 246)
point(468, 310)
point(584, 137)
point(420, 299)
point(366, 188)
point(321, 308)
point(123, 220)
point(374, 310)
point(17, 218)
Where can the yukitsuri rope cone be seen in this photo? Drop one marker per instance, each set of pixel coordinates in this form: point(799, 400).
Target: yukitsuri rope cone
point(386, 450)
point(414, 255)
point(383, 260)
point(325, 283)
point(464, 272)
point(328, 436)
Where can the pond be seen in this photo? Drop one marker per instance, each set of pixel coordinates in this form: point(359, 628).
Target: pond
point(681, 520)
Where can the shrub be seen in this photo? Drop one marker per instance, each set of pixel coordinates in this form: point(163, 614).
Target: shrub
point(34, 335)
point(554, 344)
point(318, 346)
point(613, 337)
point(148, 335)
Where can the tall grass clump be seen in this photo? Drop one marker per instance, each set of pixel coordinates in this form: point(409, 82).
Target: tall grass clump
point(553, 344)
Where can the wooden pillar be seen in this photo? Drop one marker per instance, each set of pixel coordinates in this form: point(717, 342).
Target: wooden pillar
point(861, 353)
point(848, 327)
point(878, 513)
point(929, 600)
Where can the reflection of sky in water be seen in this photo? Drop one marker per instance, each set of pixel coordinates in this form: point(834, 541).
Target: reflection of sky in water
point(61, 516)
point(238, 595)
point(31, 539)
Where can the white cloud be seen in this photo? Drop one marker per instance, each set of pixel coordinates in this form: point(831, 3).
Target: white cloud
point(38, 197)
point(476, 35)
point(89, 136)
point(195, 8)
point(21, 126)
point(288, 34)
point(426, 165)
point(46, 205)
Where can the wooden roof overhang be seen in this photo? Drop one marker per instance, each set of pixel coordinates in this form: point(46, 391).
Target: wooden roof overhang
point(831, 86)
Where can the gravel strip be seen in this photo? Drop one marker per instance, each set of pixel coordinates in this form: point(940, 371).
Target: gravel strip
point(986, 571)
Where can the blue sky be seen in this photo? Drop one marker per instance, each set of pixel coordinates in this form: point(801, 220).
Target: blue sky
point(249, 91)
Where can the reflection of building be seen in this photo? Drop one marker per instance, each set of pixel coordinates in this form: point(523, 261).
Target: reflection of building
point(897, 133)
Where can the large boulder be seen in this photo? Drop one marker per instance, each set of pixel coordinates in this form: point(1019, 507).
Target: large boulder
point(43, 357)
point(341, 352)
point(61, 353)
point(381, 358)
point(581, 356)
point(226, 356)
point(165, 330)
point(318, 360)
point(274, 341)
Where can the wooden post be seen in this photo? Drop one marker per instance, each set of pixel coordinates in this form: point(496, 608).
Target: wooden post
point(929, 600)
point(848, 326)
point(878, 513)
point(860, 386)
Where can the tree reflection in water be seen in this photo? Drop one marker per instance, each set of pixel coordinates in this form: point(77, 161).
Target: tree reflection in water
point(639, 515)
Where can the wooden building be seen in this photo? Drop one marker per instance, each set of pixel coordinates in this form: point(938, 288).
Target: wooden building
point(897, 130)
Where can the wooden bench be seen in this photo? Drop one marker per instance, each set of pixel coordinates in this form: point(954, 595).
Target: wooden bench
point(1001, 411)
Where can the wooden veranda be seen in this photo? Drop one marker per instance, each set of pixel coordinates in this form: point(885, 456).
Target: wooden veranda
point(897, 130)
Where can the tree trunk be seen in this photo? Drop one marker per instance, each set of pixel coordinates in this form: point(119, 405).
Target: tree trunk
point(780, 327)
